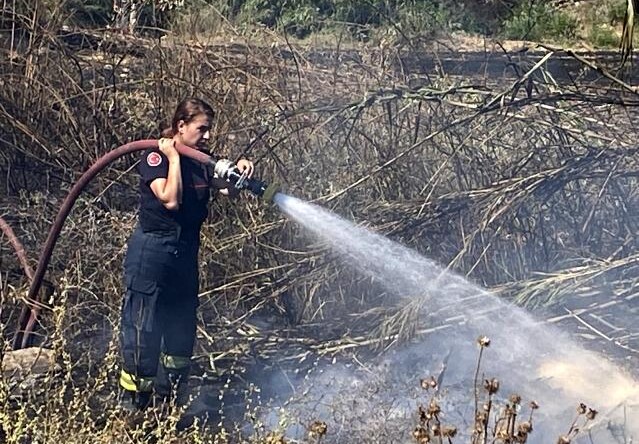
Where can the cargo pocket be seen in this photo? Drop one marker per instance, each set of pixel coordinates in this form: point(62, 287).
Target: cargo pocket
point(140, 303)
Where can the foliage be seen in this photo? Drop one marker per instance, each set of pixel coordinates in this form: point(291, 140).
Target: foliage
point(263, 12)
point(615, 11)
point(417, 18)
point(601, 22)
point(603, 36)
point(518, 19)
point(100, 13)
point(529, 19)
point(536, 21)
point(197, 18)
point(91, 12)
point(302, 17)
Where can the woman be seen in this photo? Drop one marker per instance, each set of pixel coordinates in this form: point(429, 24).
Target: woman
point(161, 269)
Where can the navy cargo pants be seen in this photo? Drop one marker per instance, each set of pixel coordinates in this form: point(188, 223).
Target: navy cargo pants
point(158, 319)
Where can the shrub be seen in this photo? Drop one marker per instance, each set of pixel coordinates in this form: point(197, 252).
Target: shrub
point(603, 36)
point(300, 20)
point(537, 21)
point(616, 11)
point(93, 12)
point(197, 18)
point(422, 18)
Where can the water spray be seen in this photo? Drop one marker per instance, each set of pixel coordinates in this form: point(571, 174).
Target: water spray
point(530, 357)
point(226, 171)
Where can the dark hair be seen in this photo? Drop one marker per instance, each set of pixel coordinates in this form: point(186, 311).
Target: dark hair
point(187, 110)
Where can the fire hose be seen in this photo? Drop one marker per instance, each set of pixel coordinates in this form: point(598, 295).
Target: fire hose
point(227, 175)
point(17, 247)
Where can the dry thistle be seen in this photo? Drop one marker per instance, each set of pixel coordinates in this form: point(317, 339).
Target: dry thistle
point(563, 440)
point(581, 409)
point(525, 427)
point(521, 437)
point(515, 398)
point(480, 419)
point(428, 383)
point(275, 438)
point(433, 408)
point(423, 415)
point(491, 386)
point(592, 414)
point(533, 405)
point(317, 430)
point(483, 341)
point(509, 410)
point(449, 431)
point(421, 434)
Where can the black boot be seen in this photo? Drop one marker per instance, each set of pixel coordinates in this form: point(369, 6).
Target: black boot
point(135, 401)
point(170, 390)
point(171, 386)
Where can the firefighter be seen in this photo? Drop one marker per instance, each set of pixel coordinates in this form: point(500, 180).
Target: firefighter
point(158, 320)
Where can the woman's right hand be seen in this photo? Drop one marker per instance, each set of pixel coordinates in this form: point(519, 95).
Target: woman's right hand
point(167, 147)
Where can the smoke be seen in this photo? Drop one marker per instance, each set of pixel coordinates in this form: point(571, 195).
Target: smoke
point(530, 358)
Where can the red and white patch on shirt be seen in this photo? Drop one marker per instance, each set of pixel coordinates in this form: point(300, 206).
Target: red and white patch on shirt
point(154, 159)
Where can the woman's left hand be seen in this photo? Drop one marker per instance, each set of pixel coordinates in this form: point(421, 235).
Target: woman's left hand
point(245, 165)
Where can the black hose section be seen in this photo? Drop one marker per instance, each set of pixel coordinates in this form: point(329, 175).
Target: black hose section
point(28, 317)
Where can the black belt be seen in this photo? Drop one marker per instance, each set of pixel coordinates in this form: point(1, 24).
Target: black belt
point(176, 233)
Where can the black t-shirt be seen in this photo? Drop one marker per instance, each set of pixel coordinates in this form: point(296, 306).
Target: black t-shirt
point(188, 218)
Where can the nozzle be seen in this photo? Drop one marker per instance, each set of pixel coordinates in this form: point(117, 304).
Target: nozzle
point(259, 188)
point(225, 169)
point(271, 191)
